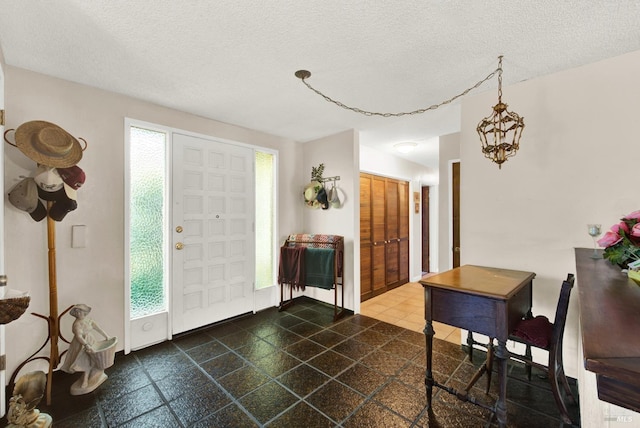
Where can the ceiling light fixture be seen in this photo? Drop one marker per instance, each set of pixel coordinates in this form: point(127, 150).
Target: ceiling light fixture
point(500, 133)
point(405, 147)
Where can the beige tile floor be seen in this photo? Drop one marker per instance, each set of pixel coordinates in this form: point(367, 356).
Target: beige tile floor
point(404, 307)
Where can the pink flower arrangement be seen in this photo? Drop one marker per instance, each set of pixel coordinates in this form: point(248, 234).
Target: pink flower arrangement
point(622, 242)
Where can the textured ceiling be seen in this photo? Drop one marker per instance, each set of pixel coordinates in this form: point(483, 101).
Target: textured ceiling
point(234, 61)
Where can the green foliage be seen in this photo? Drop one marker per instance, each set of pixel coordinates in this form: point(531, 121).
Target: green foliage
point(316, 173)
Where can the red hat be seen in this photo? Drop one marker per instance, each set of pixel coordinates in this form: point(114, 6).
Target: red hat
point(73, 178)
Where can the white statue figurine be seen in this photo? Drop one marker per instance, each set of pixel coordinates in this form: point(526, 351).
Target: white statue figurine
point(87, 355)
point(27, 393)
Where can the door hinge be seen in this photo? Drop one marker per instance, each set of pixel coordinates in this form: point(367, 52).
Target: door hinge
point(3, 362)
point(1, 117)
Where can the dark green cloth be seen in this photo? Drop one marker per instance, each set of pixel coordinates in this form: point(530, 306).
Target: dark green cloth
point(319, 267)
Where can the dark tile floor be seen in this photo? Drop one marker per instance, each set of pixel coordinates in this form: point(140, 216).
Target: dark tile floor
point(296, 368)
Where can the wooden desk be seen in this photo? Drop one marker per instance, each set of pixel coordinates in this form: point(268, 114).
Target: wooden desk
point(484, 300)
point(610, 322)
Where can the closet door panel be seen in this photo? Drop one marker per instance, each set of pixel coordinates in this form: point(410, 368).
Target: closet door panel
point(378, 232)
point(366, 243)
point(403, 210)
point(379, 269)
point(404, 261)
point(403, 230)
point(366, 278)
point(392, 222)
point(366, 227)
point(393, 265)
point(392, 227)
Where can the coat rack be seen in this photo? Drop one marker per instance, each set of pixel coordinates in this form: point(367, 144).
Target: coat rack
point(53, 320)
point(316, 195)
point(51, 146)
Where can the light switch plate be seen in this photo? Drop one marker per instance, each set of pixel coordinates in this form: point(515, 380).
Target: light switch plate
point(78, 236)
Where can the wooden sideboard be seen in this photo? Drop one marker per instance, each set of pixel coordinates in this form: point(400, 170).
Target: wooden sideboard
point(610, 324)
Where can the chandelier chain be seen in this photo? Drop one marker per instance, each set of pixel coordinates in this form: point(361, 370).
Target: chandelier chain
point(499, 70)
point(418, 111)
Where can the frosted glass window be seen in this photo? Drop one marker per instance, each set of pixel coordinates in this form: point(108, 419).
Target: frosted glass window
point(265, 212)
point(147, 223)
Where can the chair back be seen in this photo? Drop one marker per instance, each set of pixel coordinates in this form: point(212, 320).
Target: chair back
point(561, 314)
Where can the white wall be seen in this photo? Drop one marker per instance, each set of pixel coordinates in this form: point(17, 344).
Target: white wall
point(578, 164)
point(94, 275)
point(379, 163)
point(339, 154)
point(449, 152)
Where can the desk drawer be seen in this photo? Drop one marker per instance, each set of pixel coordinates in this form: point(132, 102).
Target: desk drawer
point(467, 311)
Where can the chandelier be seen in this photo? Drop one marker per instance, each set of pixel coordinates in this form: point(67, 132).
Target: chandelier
point(500, 133)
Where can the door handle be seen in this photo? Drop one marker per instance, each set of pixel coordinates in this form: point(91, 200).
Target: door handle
point(179, 246)
point(456, 249)
point(179, 229)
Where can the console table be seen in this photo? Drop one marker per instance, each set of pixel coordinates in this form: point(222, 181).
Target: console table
point(485, 300)
point(610, 324)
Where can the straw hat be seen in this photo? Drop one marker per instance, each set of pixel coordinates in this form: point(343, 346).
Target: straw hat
point(48, 144)
point(311, 191)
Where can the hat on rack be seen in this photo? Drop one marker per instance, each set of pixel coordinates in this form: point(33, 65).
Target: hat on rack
point(334, 198)
point(51, 187)
point(62, 207)
point(51, 180)
point(311, 191)
point(322, 198)
point(48, 144)
point(24, 196)
point(73, 178)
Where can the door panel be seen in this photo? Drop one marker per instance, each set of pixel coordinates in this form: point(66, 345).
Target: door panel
point(379, 269)
point(404, 261)
point(403, 209)
point(456, 213)
point(213, 255)
point(378, 234)
point(403, 232)
point(425, 229)
point(366, 279)
point(393, 263)
point(391, 229)
point(366, 283)
point(392, 200)
point(378, 210)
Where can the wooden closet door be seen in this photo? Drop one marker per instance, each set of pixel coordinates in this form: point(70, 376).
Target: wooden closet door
point(379, 263)
point(404, 204)
point(384, 234)
point(366, 242)
point(392, 227)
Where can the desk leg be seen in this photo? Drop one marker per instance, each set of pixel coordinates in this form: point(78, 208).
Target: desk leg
point(428, 380)
point(502, 355)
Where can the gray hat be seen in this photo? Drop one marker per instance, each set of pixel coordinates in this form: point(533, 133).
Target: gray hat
point(24, 196)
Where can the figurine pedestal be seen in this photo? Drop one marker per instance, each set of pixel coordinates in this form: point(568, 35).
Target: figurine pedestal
point(94, 382)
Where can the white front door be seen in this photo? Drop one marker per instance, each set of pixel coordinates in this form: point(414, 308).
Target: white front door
point(213, 241)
